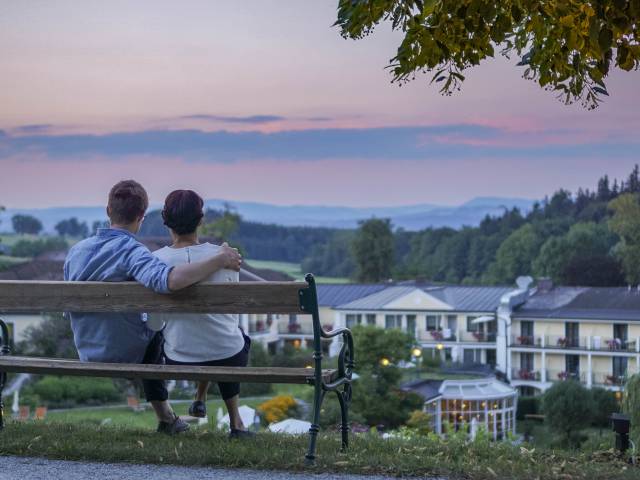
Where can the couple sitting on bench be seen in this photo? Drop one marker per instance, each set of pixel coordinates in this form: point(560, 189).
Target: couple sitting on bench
point(114, 255)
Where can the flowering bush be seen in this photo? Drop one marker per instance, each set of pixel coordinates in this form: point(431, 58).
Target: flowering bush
point(278, 408)
point(437, 335)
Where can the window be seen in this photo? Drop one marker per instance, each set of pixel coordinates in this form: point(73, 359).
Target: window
point(620, 366)
point(572, 334)
point(393, 321)
point(526, 362)
point(371, 318)
point(433, 322)
point(353, 319)
point(526, 329)
point(621, 332)
point(572, 363)
point(472, 355)
point(472, 327)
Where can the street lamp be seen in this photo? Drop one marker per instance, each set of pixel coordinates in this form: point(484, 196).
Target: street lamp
point(416, 353)
point(384, 362)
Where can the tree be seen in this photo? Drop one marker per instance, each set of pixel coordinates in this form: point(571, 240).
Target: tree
point(51, 338)
point(224, 225)
point(580, 257)
point(72, 228)
point(566, 47)
point(568, 409)
point(604, 404)
point(373, 250)
point(515, 255)
point(26, 224)
point(377, 398)
point(626, 223)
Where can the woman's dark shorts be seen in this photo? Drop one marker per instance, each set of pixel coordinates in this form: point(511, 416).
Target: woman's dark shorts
point(241, 359)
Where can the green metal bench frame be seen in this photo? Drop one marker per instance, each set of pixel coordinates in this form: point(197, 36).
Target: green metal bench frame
point(339, 383)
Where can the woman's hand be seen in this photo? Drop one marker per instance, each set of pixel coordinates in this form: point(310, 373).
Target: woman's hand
point(231, 258)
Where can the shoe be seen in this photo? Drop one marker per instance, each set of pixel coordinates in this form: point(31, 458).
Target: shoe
point(241, 434)
point(174, 427)
point(198, 409)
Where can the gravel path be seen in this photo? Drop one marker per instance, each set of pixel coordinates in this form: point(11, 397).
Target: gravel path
point(24, 468)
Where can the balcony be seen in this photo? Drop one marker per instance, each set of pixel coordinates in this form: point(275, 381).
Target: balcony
point(298, 329)
point(259, 327)
point(574, 343)
point(533, 341)
point(567, 343)
point(436, 336)
point(606, 379)
point(526, 374)
point(563, 375)
point(613, 344)
point(484, 336)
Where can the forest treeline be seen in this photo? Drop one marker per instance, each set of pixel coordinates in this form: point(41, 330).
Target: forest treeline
point(590, 237)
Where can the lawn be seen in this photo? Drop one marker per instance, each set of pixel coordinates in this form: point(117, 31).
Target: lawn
point(7, 261)
point(293, 270)
point(368, 453)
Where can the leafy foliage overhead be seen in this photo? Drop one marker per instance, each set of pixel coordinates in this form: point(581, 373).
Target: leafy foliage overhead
point(567, 46)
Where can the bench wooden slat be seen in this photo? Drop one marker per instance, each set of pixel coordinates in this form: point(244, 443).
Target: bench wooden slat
point(50, 366)
point(244, 297)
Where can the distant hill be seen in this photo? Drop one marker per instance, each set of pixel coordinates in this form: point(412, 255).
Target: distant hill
point(410, 217)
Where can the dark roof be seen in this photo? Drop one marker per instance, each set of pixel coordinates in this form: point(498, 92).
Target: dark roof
point(468, 298)
point(331, 295)
point(588, 303)
point(459, 298)
point(427, 389)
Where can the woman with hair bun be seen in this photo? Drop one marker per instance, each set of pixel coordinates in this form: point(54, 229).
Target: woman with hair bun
point(200, 339)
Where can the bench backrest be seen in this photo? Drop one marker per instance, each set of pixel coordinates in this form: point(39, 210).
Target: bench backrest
point(243, 297)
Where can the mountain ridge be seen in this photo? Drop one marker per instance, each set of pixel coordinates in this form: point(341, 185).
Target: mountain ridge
point(409, 217)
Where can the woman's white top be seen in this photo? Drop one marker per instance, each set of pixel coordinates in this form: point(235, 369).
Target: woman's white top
point(198, 337)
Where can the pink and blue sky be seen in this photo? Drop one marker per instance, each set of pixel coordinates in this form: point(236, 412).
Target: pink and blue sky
point(264, 101)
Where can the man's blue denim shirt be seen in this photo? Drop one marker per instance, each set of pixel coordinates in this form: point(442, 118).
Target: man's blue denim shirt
point(113, 255)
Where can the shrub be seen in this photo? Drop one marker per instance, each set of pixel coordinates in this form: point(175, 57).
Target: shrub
point(33, 248)
point(568, 408)
point(527, 406)
point(420, 422)
point(604, 404)
point(631, 406)
point(63, 392)
point(278, 408)
point(330, 416)
point(292, 357)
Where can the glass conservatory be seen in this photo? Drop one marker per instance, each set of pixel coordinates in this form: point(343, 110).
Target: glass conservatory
point(471, 404)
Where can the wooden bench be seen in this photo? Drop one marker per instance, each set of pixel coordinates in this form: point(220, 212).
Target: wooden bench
point(238, 298)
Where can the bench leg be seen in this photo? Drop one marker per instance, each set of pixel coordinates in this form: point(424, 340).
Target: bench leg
point(5, 349)
point(318, 397)
point(344, 411)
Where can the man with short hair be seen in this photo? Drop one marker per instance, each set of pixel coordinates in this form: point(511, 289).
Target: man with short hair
point(114, 255)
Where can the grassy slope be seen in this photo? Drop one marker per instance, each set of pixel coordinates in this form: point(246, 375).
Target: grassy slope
point(292, 269)
point(367, 454)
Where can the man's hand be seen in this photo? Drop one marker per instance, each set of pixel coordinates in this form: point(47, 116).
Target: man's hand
point(231, 258)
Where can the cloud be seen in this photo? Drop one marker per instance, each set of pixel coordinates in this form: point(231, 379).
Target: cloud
point(441, 143)
point(31, 129)
point(252, 119)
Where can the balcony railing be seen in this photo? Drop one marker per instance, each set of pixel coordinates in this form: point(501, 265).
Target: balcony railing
point(563, 375)
point(607, 379)
point(295, 329)
point(559, 341)
point(574, 343)
point(526, 374)
point(436, 336)
point(533, 341)
point(259, 327)
point(484, 336)
point(613, 344)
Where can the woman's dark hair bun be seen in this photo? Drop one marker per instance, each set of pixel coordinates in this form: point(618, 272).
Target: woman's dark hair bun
point(182, 212)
